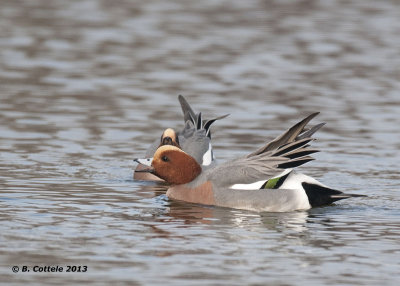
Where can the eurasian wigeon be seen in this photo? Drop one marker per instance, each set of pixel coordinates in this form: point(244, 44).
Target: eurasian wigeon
point(261, 181)
point(194, 139)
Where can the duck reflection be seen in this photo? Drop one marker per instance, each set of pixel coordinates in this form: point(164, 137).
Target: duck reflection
point(194, 213)
point(292, 228)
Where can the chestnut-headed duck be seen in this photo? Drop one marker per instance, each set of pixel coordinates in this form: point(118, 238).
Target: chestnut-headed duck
point(261, 181)
point(194, 139)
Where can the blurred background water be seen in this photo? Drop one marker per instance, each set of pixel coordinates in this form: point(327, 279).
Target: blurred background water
point(86, 86)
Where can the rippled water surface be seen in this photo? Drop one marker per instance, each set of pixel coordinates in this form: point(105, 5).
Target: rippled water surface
point(86, 86)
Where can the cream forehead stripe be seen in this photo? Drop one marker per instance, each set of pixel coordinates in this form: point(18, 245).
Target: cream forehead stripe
point(165, 148)
point(169, 132)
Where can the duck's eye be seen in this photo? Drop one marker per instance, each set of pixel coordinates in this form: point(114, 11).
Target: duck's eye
point(165, 158)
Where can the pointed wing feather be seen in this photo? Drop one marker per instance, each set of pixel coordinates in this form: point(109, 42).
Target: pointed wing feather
point(289, 136)
point(287, 151)
point(243, 171)
point(292, 146)
point(199, 121)
point(264, 166)
point(295, 163)
point(300, 153)
point(207, 124)
point(310, 132)
point(188, 113)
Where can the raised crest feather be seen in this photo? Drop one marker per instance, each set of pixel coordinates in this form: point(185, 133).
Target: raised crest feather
point(196, 118)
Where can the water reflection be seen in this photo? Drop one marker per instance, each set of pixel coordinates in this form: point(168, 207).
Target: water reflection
point(294, 221)
point(189, 213)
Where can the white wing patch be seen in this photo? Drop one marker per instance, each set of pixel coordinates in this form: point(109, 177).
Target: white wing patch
point(253, 186)
point(257, 185)
point(208, 156)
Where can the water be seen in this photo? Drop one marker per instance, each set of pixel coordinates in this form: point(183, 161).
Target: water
point(85, 86)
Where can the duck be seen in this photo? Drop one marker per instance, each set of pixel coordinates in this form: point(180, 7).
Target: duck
point(194, 139)
point(262, 181)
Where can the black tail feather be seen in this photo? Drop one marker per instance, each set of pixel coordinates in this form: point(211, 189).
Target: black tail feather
point(319, 195)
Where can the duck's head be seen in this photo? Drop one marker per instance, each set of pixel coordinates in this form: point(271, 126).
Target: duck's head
point(172, 164)
point(169, 137)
